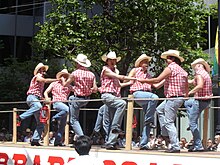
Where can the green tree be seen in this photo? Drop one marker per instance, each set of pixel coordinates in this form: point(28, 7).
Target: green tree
point(128, 27)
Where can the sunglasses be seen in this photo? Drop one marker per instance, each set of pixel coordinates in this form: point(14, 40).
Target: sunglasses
point(169, 57)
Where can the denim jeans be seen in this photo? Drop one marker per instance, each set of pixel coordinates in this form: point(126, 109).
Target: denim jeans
point(34, 109)
point(116, 108)
point(103, 119)
point(61, 116)
point(167, 112)
point(75, 106)
point(194, 109)
point(149, 108)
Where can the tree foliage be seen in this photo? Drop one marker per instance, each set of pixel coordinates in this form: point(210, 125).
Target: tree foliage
point(128, 27)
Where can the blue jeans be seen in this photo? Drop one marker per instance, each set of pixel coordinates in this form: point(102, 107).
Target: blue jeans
point(75, 106)
point(167, 112)
point(116, 108)
point(63, 110)
point(103, 119)
point(194, 109)
point(34, 109)
point(149, 108)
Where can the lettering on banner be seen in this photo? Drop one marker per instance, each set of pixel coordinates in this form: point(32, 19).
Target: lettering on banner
point(37, 160)
point(53, 159)
point(109, 162)
point(19, 158)
point(3, 158)
point(129, 163)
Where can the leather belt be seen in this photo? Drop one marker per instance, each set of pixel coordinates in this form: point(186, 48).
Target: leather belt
point(109, 93)
point(175, 96)
point(84, 97)
point(204, 100)
point(141, 91)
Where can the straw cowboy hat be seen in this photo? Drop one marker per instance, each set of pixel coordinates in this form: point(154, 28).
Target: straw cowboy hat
point(203, 62)
point(110, 55)
point(39, 66)
point(141, 58)
point(174, 53)
point(62, 73)
point(82, 60)
point(28, 130)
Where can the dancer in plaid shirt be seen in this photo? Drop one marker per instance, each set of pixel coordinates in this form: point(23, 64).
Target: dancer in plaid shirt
point(144, 90)
point(175, 86)
point(110, 93)
point(59, 94)
point(35, 94)
point(202, 88)
point(84, 85)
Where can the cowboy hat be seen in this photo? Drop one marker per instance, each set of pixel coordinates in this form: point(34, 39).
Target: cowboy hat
point(39, 66)
point(62, 73)
point(82, 60)
point(110, 55)
point(173, 53)
point(141, 58)
point(203, 62)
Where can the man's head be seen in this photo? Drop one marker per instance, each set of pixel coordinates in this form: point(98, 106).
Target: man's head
point(82, 60)
point(83, 145)
point(40, 68)
point(172, 56)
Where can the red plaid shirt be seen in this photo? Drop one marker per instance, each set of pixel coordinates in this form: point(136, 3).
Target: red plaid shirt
point(83, 81)
point(207, 88)
point(137, 86)
point(175, 84)
point(59, 92)
point(108, 84)
point(36, 88)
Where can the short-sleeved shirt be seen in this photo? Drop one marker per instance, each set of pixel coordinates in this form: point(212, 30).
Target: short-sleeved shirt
point(109, 84)
point(83, 81)
point(175, 84)
point(36, 87)
point(138, 86)
point(59, 92)
point(206, 91)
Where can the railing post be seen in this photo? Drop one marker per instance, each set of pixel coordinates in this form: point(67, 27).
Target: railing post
point(47, 125)
point(130, 113)
point(66, 142)
point(205, 126)
point(14, 138)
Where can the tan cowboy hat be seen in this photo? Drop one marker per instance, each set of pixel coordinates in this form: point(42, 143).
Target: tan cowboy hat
point(39, 66)
point(174, 53)
point(110, 55)
point(203, 62)
point(62, 73)
point(141, 58)
point(28, 130)
point(82, 60)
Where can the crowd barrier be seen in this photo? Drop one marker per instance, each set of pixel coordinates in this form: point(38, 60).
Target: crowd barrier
point(130, 111)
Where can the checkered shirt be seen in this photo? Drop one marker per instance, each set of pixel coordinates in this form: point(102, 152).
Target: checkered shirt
point(138, 86)
point(83, 81)
point(108, 84)
point(59, 92)
point(175, 84)
point(207, 88)
point(36, 88)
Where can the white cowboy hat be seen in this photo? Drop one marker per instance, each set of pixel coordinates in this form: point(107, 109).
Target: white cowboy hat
point(203, 62)
point(61, 73)
point(110, 55)
point(141, 58)
point(82, 60)
point(39, 66)
point(174, 53)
